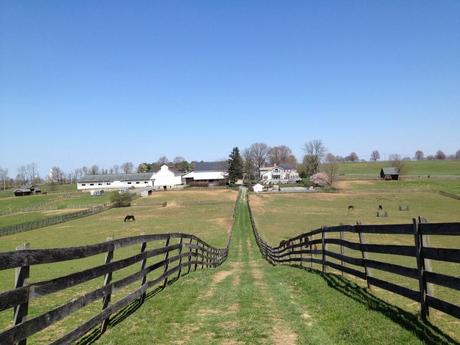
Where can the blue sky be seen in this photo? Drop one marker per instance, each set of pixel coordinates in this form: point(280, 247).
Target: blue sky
point(105, 82)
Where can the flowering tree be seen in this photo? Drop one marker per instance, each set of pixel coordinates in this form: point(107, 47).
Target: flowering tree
point(320, 179)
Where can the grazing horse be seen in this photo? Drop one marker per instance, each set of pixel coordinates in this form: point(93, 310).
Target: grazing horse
point(380, 207)
point(351, 207)
point(129, 218)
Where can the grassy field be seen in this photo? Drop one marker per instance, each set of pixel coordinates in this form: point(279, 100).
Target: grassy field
point(281, 216)
point(248, 301)
point(415, 168)
point(207, 214)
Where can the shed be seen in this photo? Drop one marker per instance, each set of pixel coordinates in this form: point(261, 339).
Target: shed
point(258, 188)
point(389, 173)
point(22, 192)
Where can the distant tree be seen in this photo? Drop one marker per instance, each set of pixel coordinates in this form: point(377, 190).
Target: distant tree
point(162, 160)
point(319, 179)
point(181, 164)
point(440, 155)
point(352, 157)
point(331, 168)
point(375, 155)
point(400, 165)
point(430, 157)
point(144, 167)
point(85, 170)
point(457, 154)
point(56, 175)
point(116, 169)
point(93, 170)
point(314, 153)
point(4, 177)
point(330, 158)
point(127, 168)
point(235, 166)
point(280, 154)
point(259, 153)
point(249, 167)
point(394, 157)
point(121, 199)
point(419, 155)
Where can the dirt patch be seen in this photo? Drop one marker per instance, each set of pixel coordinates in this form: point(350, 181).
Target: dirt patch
point(231, 342)
point(347, 184)
point(220, 276)
point(236, 269)
point(282, 335)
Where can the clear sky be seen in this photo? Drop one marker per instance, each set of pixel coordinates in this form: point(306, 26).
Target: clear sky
point(84, 82)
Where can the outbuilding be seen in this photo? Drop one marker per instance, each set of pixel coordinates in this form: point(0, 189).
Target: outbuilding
point(257, 188)
point(389, 173)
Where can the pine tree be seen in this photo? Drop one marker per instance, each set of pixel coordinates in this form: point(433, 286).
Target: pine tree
point(235, 166)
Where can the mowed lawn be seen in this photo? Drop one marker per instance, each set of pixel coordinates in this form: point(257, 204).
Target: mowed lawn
point(207, 214)
point(282, 216)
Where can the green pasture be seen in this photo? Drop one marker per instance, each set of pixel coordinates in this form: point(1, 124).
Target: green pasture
point(415, 168)
point(282, 216)
point(207, 214)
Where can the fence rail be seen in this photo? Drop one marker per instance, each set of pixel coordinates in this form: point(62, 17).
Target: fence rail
point(180, 252)
point(13, 229)
point(305, 249)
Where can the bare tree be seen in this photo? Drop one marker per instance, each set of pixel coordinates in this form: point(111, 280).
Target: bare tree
point(314, 153)
point(248, 165)
point(440, 155)
point(93, 170)
point(116, 169)
point(259, 153)
point(127, 167)
point(400, 165)
point(375, 155)
point(279, 154)
point(394, 157)
point(419, 155)
point(21, 177)
point(162, 160)
point(4, 177)
point(56, 175)
point(331, 168)
point(352, 157)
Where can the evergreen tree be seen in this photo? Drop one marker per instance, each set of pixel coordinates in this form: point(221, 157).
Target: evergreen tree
point(235, 165)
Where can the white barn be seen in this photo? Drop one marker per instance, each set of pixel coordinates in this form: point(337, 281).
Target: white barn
point(208, 174)
point(163, 179)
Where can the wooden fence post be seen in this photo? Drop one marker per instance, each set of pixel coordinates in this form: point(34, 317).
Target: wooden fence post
point(20, 280)
point(302, 242)
point(364, 256)
point(196, 255)
point(107, 280)
point(189, 255)
point(341, 251)
point(311, 254)
point(424, 311)
point(143, 265)
point(180, 259)
point(323, 248)
point(427, 262)
point(166, 261)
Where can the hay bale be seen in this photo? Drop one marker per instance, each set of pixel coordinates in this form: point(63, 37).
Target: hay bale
point(404, 208)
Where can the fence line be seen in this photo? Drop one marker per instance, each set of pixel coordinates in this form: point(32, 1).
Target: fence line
point(173, 255)
point(13, 229)
point(303, 248)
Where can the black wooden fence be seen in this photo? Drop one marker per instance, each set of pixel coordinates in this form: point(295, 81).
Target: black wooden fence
point(312, 248)
point(61, 218)
point(175, 254)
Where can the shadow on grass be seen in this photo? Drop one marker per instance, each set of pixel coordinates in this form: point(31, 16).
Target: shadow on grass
point(124, 313)
point(424, 330)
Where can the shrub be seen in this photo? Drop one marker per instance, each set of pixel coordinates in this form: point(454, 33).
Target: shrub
point(320, 179)
point(121, 199)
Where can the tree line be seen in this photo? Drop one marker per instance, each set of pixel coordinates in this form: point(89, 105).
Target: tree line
point(245, 164)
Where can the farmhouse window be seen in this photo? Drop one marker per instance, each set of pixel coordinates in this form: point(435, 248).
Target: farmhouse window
point(108, 183)
point(91, 184)
point(145, 182)
point(83, 184)
point(137, 182)
point(100, 184)
point(129, 182)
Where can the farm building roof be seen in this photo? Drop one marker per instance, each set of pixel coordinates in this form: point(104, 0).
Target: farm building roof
point(206, 175)
point(116, 177)
point(211, 166)
point(390, 171)
point(285, 166)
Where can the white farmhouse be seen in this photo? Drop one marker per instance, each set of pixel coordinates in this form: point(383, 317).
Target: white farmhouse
point(208, 174)
point(163, 179)
point(283, 173)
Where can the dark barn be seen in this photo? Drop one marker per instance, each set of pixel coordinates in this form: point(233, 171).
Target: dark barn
point(390, 173)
